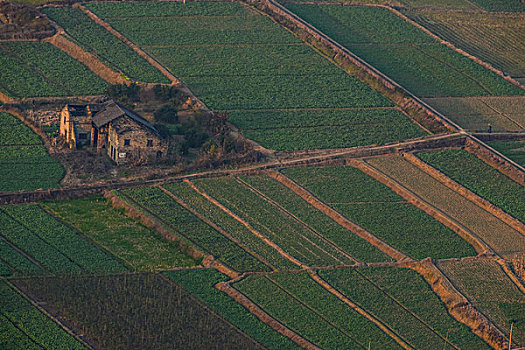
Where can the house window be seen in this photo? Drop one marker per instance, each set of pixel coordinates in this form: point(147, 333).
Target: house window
point(127, 142)
point(82, 136)
point(150, 143)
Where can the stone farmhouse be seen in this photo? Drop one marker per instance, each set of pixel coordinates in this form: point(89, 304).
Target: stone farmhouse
point(111, 128)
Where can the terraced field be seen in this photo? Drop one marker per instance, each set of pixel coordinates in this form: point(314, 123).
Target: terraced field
point(105, 45)
point(481, 113)
point(492, 37)
point(35, 69)
point(424, 67)
point(515, 150)
point(471, 172)
point(380, 211)
point(239, 61)
point(502, 238)
point(24, 161)
point(491, 291)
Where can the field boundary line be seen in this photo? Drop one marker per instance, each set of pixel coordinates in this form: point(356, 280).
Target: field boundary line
point(458, 305)
point(453, 185)
point(501, 113)
point(174, 80)
point(216, 227)
point(255, 232)
point(263, 316)
point(378, 322)
point(299, 221)
point(47, 314)
point(337, 217)
point(25, 255)
point(508, 271)
point(21, 330)
point(479, 245)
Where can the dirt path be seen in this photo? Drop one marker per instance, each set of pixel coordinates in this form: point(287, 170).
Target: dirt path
point(340, 219)
point(480, 246)
point(88, 59)
point(481, 202)
point(263, 316)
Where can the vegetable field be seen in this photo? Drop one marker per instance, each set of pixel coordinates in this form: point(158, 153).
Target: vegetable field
point(471, 172)
point(192, 228)
point(501, 5)
point(140, 247)
point(493, 37)
point(476, 114)
point(53, 245)
point(425, 67)
point(505, 240)
point(491, 291)
point(105, 45)
point(35, 69)
point(515, 150)
point(24, 161)
point(310, 310)
point(136, 312)
point(23, 326)
point(236, 60)
point(402, 299)
point(382, 212)
point(200, 282)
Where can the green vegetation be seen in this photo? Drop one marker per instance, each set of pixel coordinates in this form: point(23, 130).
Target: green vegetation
point(105, 45)
point(191, 227)
point(501, 5)
point(236, 60)
point(23, 326)
point(15, 263)
point(479, 177)
point(490, 36)
point(56, 66)
point(24, 161)
point(53, 244)
point(426, 68)
point(200, 282)
point(403, 300)
point(140, 247)
point(229, 224)
point(296, 239)
point(491, 292)
point(135, 311)
point(383, 213)
point(442, 4)
point(515, 150)
point(357, 248)
point(310, 310)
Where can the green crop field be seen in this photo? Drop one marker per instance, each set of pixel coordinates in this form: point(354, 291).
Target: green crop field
point(493, 37)
point(479, 177)
point(382, 212)
point(241, 62)
point(50, 242)
point(310, 310)
point(140, 247)
point(476, 114)
point(441, 4)
point(357, 248)
point(105, 45)
point(302, 243)
point(515, 150)
point(492, 292)
point(402, 299)
point(14, 263)
point(23, 326)
point(200, 283)
point(191, 227)
point(35, 69)
point(501, 5)
point(135, 311)
point(24, 161)
point(502, 238)
point(425, 67)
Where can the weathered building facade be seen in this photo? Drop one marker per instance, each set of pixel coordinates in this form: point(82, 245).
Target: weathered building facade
point(111, 128)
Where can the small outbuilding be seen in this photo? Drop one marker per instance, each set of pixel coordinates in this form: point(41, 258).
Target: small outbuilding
point(109, 127)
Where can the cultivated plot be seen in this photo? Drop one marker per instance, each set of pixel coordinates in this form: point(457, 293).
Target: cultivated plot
point(239, 61)
point(491, 291)
point(24, 161)
point(406, 54)
point(36, 69)
point(515, 150)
